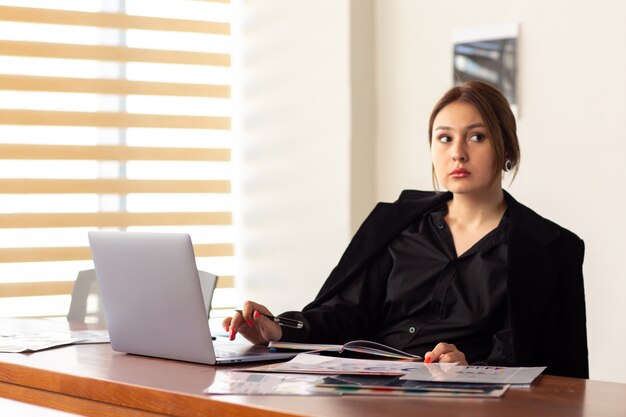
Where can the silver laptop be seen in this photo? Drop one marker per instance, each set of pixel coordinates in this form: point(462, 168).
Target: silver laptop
point(152, 300)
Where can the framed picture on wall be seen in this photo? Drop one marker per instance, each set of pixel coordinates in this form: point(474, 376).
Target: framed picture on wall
point(489, 54)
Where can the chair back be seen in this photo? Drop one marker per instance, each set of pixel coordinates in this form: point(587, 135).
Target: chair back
point(86, 285)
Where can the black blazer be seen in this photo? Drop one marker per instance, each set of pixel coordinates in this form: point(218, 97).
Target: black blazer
point(544, 281)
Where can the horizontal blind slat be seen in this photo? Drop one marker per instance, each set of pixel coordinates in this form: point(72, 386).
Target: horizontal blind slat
point(110, 53)
point(111, 186)
point(114, 120)
point(38, 289)
point(110, 20)
point(110, 86)
point(35, 289)
point(55, 254)
point(114, 219)
point(226, 281)
point(111, 153)
point(35, 18)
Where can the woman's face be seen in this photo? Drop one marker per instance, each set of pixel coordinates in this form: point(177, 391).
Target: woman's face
point(461, 151)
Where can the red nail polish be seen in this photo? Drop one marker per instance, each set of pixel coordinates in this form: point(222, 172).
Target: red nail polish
point(250, 323)
point(231, 334)
point(257, 314)
point(428, 359)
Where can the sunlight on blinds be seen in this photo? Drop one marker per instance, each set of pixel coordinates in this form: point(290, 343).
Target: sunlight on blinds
point(114, 114)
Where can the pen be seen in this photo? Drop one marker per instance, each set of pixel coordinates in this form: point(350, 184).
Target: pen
point(283, 321)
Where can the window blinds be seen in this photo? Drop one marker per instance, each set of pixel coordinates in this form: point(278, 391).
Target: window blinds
point(113, 114)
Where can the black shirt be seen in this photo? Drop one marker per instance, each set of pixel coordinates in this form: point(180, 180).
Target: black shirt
point(418, 292)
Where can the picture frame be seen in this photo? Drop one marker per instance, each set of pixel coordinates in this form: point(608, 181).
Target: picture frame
point(489, 54)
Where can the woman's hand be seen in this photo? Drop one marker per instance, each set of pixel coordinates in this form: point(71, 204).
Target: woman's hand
point(253, 326)
point(445, 353)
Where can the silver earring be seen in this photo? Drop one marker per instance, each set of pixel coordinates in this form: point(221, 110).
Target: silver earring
point(508, 165)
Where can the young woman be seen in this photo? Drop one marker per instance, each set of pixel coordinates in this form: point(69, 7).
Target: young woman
point(469, 275)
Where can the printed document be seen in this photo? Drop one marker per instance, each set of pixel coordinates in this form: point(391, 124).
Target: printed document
point(449, 372)
point(310, 363)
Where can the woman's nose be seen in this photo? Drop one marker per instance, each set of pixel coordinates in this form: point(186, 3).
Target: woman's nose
point(458, 153)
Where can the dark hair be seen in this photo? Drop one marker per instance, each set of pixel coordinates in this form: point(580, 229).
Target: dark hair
point(495, 112)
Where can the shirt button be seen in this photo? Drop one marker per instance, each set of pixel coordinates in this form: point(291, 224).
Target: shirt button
point(440, 226)
point(411, 329)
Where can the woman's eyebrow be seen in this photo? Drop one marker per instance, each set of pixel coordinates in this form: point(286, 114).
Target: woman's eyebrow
point(472, 126)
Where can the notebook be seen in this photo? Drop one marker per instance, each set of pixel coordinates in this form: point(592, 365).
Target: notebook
point(152, 300)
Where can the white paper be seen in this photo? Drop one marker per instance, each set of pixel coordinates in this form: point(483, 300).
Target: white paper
point(445, 372)
point(239, 383)
point(34, 342)
point(316, 364)
point(90, 336)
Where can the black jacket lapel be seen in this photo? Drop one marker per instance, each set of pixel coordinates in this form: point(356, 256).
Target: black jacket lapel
point(532, 274)
point(383, 224)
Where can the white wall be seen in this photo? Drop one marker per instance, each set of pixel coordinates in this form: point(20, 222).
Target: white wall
point(572, 81)
point(308, 171)
point(293, 148)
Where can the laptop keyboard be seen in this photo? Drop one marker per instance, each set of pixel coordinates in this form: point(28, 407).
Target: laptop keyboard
point(226, 354)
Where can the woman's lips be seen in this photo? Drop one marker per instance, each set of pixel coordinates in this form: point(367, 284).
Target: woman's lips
point(459, 173)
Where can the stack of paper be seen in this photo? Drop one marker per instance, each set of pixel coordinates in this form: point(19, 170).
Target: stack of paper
point(32, 342)
point(310, 363)
point(364, 349)
point(384, 385)
point(447, 372)
point(246, 383)
point(313, 374)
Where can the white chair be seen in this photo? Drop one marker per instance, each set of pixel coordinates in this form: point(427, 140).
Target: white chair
point(208, 282)
point(86, 284)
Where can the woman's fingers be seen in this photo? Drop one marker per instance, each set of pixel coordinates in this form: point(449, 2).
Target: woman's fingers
point(248, 309)
point(252, 325)
point(226, 323)
point(235, 325)
point(445, 353)
point(269, 329)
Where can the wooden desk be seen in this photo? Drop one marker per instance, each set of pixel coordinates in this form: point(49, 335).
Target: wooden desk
point(93, 380)
point(15, 408)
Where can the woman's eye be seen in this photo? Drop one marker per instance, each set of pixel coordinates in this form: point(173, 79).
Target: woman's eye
point(476, 138)
point(445, 139)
